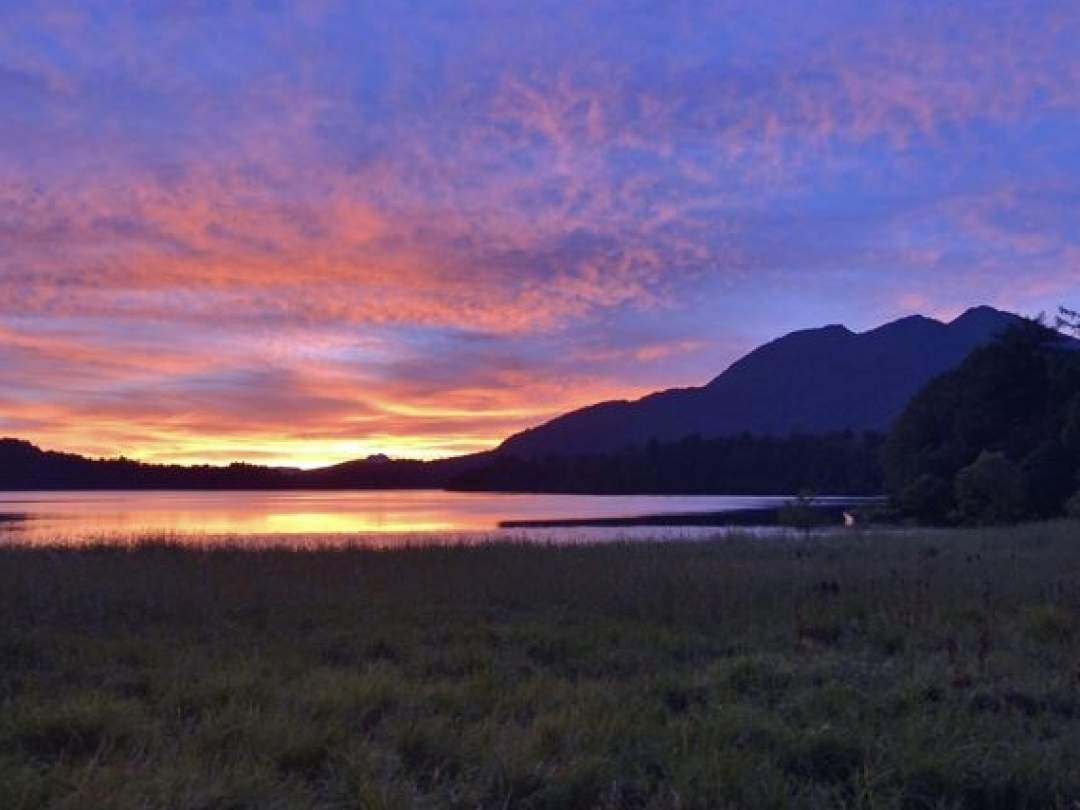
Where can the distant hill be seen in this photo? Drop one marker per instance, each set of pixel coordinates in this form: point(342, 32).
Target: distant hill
point(25, 466)
point(838, 389)
point(816, 381)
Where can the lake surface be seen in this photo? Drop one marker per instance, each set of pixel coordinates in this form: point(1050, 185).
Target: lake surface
point(381, 518)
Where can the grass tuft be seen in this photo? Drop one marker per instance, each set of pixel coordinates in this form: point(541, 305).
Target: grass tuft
point(922, 669)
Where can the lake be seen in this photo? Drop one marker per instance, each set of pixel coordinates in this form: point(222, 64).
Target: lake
point(306, 518)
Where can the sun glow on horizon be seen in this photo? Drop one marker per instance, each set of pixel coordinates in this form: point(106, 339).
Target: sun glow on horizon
point(272, 451)
point(246, 234)
point(298, 429)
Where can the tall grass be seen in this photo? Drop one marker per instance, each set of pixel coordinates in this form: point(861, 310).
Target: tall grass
point(928, 669)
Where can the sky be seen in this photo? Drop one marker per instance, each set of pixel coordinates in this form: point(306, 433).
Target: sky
point(303, 232)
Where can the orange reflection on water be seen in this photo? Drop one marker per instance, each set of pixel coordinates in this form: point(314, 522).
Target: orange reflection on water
point(305, 518)
point(49, 515)
point(338, 523)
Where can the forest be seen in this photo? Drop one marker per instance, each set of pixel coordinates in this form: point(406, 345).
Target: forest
point(998, 439)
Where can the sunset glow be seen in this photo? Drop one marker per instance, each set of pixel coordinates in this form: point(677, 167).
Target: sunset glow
point(302, 233)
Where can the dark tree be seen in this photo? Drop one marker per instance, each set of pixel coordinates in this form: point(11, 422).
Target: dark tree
point(992, 490)
point(1017, 401)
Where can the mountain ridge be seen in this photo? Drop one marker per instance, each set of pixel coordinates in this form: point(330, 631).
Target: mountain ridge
point(799, 383)
point(809, 381)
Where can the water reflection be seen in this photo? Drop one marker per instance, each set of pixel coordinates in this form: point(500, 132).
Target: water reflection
point(333, 518)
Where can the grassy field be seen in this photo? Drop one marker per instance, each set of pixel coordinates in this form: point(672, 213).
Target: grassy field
point(931, 669)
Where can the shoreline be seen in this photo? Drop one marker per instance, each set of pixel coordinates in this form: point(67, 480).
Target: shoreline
point(765, 516)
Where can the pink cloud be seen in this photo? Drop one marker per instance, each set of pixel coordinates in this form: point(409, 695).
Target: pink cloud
point(274, 209)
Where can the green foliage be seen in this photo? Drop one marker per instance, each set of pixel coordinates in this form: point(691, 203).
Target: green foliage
point(1017, 399)
point(927, 669)
point(992, 490)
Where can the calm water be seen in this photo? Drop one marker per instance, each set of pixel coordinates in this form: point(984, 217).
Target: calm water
point(334, 517)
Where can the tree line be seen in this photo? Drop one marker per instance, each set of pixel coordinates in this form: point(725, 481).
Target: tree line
point(997, 440)
point(840, 463)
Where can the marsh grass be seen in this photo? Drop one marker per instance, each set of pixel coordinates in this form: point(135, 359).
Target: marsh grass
point(918, 670)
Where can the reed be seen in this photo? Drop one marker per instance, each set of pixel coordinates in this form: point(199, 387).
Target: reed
point(887, 670)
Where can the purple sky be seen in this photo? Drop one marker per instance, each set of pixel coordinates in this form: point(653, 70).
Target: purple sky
point(303, 232)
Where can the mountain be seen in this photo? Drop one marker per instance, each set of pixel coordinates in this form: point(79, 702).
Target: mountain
point(844, 463)
point(814, 381)
point(818, 383)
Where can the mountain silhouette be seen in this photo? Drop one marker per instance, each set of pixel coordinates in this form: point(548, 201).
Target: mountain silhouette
point(813, 387)
point(814, 381)
point(24, 466)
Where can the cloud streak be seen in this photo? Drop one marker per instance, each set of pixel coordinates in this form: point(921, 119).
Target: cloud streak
point(310, 230)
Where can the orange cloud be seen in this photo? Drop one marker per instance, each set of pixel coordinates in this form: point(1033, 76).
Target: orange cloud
point(305, 234)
